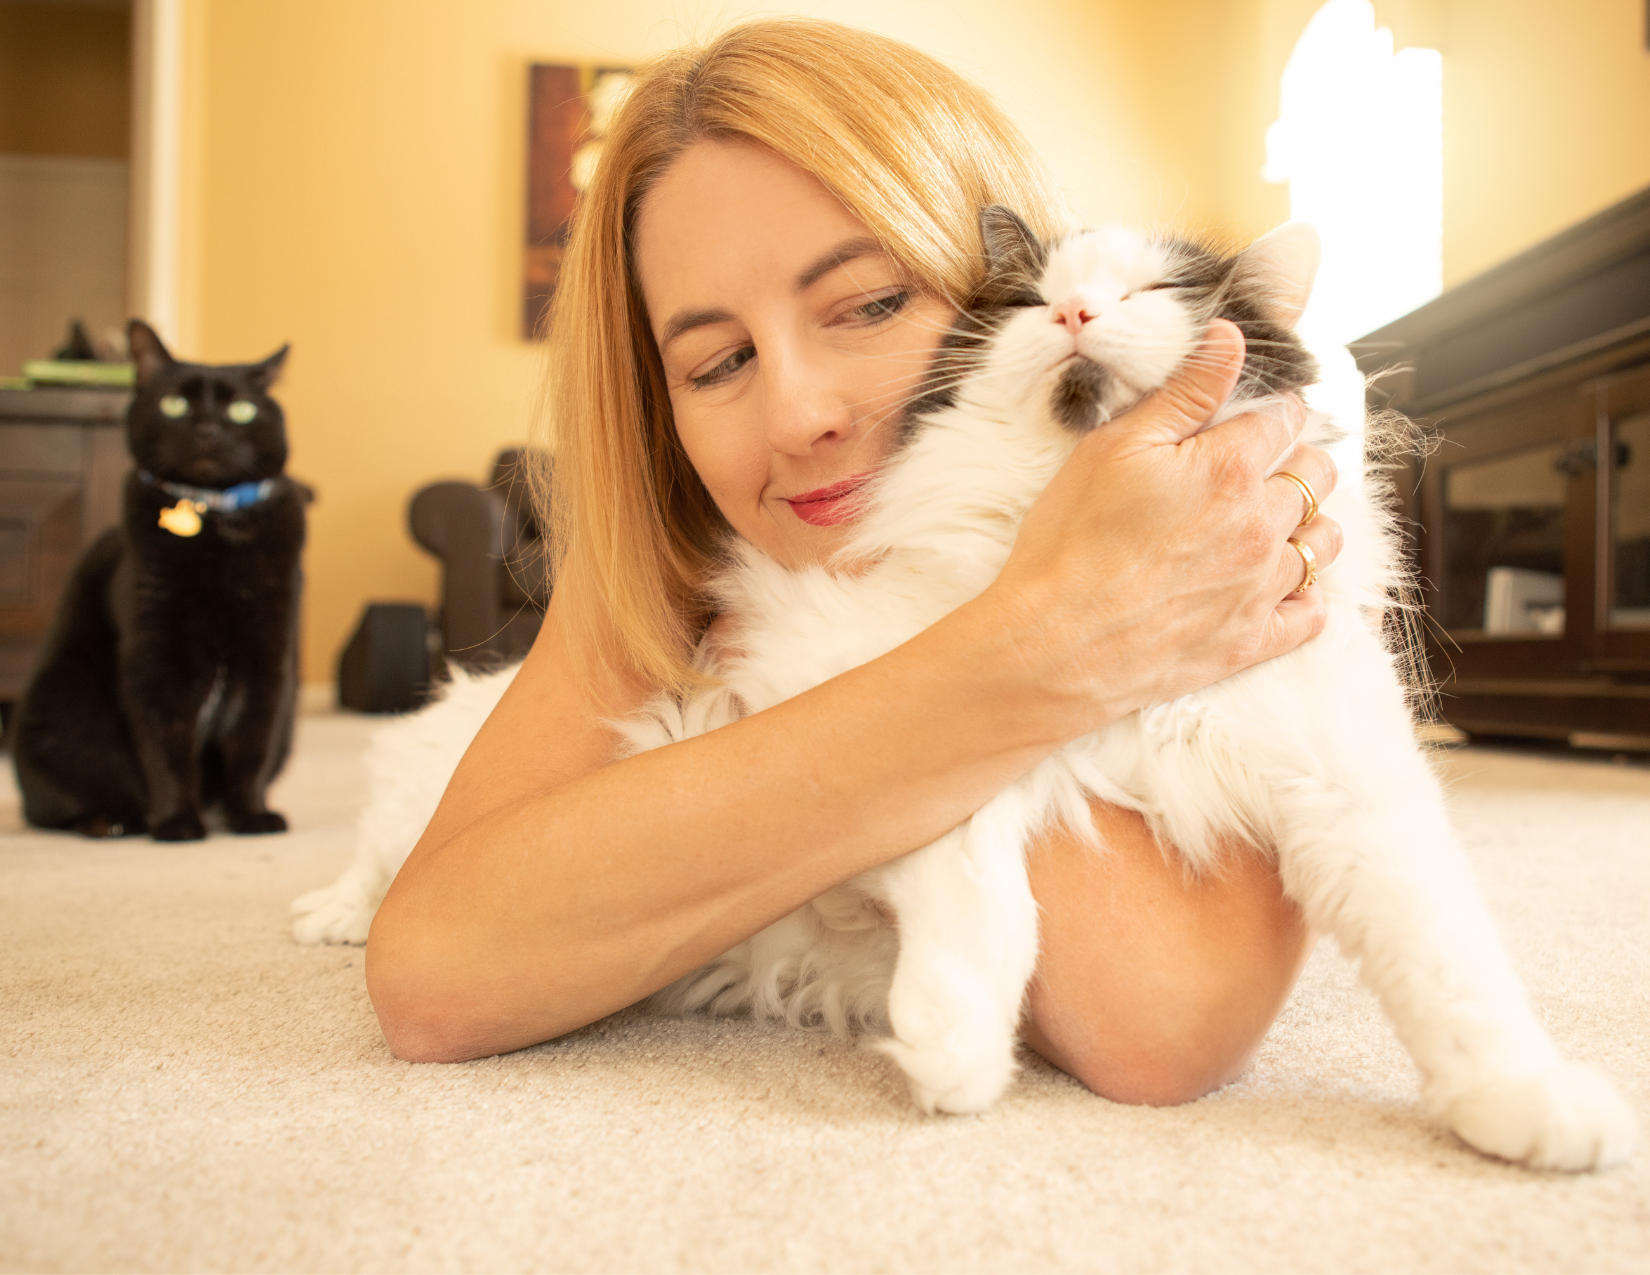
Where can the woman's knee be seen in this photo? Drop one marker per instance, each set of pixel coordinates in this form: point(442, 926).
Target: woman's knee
point(1154, 986)
point(1186, 1047)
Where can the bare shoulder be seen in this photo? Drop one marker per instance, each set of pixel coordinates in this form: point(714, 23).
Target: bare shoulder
point(549, 729)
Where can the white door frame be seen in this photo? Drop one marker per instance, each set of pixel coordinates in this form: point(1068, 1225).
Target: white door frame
point(153, 249)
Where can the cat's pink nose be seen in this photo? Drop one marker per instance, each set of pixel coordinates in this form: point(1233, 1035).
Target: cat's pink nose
point(1072, 314)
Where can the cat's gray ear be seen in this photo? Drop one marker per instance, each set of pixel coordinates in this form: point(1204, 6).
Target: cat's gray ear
point(150, 357)
point(1285, 262)
point(265, 374)
point(1010, 245)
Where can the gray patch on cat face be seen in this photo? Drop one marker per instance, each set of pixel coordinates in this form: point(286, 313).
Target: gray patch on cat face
point(1014, 263)
point(1078, 395)
point(1215, 285)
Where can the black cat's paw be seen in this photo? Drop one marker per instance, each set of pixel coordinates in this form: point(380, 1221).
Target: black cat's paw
point(255, 822)
point(101, 826)
point(184, 826)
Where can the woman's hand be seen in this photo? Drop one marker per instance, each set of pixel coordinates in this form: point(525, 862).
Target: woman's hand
point(1156, 562)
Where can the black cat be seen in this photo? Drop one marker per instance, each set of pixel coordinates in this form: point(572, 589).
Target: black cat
point(169, 680)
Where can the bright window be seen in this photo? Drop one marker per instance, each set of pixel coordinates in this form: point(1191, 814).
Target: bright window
point(1359, 139)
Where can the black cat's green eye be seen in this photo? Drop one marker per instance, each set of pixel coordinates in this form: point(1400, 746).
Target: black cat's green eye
point(175, 406)
point(242, 411)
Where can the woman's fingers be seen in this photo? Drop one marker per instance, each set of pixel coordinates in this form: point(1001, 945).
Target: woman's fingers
point(1299, 618)
point(1321, 543)
point(1293, 505)
point(1155, 563)
point(1312, 468)
point(1186, 401)
point(1250, 443)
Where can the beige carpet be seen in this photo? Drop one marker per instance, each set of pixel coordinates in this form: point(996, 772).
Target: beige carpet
point(183, 1088)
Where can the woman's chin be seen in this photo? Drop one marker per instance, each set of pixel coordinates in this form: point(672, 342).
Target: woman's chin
point(794, 543)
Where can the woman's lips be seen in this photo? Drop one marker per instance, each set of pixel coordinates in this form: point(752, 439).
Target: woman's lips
point(829, 506)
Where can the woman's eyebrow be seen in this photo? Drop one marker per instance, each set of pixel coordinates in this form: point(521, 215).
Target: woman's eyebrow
point(686, 320)
point(840, 255)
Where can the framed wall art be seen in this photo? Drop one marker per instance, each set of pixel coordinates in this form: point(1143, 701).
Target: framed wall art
point(569, 109)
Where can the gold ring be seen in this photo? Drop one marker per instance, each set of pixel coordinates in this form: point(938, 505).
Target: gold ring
point(1306, 490)
point(1309, 560)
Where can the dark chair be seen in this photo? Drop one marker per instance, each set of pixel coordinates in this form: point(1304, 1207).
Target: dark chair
point(495, 562)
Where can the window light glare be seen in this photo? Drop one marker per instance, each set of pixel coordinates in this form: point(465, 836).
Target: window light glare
point(1359, 139)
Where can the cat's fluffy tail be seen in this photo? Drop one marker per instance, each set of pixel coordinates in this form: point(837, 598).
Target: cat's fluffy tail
point(409, 762)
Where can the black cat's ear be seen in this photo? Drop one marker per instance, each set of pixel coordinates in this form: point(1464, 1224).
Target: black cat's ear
point(1010, 245)
point(149, 356)
point(265, 374)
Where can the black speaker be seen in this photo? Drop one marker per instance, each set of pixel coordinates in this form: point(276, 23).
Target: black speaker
point(385, 668)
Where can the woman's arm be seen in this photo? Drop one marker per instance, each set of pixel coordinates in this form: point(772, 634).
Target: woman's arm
point(552, 887)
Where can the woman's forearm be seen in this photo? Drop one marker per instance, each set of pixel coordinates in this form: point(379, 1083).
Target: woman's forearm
point(564, 904)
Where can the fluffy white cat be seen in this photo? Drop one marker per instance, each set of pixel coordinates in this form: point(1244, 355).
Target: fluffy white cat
point(410, 761)
point(1311, 758)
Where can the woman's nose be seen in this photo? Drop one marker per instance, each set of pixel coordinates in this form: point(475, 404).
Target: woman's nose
point(803, 407)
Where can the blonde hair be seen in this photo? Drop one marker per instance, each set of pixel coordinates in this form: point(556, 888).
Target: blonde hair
point(911, 148)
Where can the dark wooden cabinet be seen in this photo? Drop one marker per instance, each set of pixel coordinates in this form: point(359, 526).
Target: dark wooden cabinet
point(62, 460)
point(1530, 511)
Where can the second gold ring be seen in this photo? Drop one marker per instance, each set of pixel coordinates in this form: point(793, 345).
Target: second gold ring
point(1309, 560)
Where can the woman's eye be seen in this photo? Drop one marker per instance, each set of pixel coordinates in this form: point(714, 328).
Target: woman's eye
point(726, 368)
point(242, 411)
point(883, 307)
point(175, 406)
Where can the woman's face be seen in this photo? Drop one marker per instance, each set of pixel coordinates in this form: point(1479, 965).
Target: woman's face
point(790, 341)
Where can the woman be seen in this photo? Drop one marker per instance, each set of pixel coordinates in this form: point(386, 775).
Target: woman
point(781, 226)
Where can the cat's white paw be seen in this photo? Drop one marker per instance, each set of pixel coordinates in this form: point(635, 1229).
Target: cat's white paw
point(940, 1080)
point(957, 1064)
point(1563, 1117)
point(339, 913)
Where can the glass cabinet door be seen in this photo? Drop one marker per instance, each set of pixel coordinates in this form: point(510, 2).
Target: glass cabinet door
point(1535, 539)
point(1630, 523)
point(1503, 544)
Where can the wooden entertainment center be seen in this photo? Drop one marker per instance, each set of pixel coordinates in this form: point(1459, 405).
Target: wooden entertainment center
point(1531, 513)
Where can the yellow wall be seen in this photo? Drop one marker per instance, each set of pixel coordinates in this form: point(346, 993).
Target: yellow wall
point(64, 80)
point(1546, 120)
point(354, 185)
point(1205, 74)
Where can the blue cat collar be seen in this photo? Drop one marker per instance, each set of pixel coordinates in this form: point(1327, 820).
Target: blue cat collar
point(226, 501)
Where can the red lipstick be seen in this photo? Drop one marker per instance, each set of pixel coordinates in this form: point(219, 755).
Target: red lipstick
point(829, 506)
